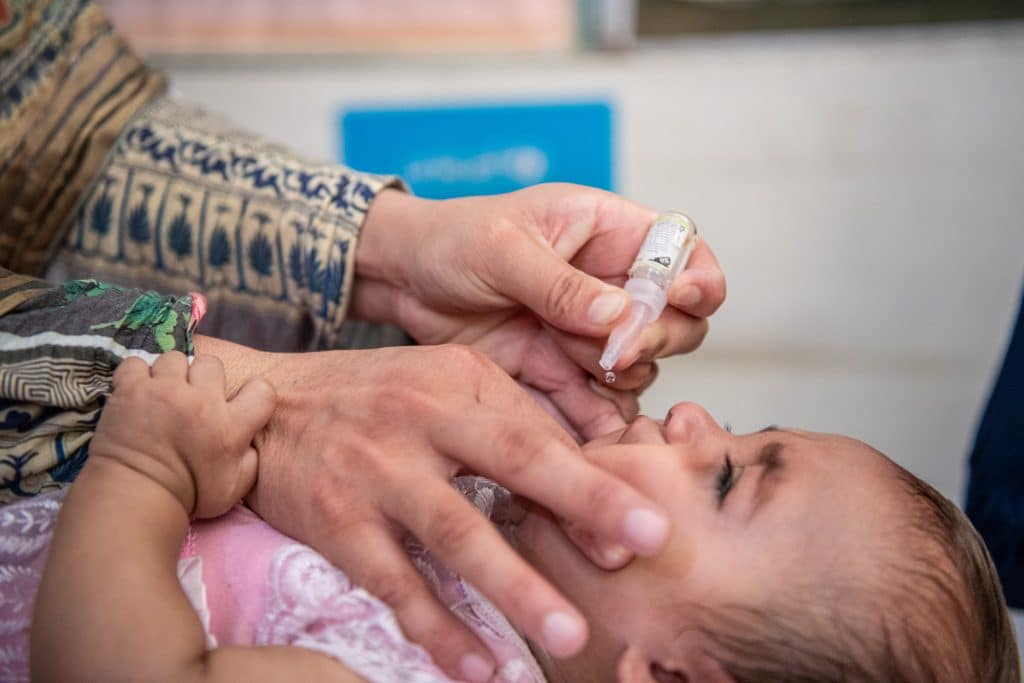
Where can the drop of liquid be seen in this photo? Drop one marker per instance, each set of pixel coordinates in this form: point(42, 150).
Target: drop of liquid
point(609, 377)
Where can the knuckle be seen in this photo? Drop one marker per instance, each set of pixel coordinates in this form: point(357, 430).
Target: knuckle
point(695, 338)
point(390, 399)
point(362, 459)
point(451, 531)
point(462, 356)
point(517, 454)
point(597, 495)
point(564, 292)
point(328, 505)
point(166, 403)
point(523, 583)
point(499, 234)
point(397, 588)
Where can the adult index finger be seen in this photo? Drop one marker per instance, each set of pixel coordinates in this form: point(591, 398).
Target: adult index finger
point(366, 550)
point(528, 453)
point(465, 541)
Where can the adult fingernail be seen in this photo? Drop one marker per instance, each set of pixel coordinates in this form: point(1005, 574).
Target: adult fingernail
point(690, 296)
point(475, 668)
point(607, 307)
point(646, 530)
point(563, 634)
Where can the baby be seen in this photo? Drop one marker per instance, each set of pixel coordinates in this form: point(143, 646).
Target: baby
point(794, 557)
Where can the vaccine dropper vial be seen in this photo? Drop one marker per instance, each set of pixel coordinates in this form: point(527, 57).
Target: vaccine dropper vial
point(664, 253)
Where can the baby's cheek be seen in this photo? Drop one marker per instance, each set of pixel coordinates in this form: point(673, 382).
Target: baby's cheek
point(673, 564)
point(637, 599)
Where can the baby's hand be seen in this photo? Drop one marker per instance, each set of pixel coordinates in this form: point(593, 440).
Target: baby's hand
point(173, 424)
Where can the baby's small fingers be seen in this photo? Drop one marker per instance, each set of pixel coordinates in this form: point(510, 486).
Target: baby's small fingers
point(251, 407)
point(222, 481)
point(131, 370)
point(207, 371)
point(173, 365)
point(245, 479)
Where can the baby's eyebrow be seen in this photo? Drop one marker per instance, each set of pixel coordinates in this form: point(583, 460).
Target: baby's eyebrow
point(770, 456)
point(772, 464)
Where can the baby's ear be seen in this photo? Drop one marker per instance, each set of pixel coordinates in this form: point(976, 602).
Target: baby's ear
point(636, 667)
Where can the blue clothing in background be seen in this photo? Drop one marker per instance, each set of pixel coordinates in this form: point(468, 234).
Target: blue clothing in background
point(995, 491)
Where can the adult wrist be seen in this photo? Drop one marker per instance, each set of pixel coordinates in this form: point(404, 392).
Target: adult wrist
point(385, 234)
point(241, 363)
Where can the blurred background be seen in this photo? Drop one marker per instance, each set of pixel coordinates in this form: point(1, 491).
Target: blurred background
point(857, 165)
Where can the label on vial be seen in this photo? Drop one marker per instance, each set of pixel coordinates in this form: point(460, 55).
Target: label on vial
point(664, 242)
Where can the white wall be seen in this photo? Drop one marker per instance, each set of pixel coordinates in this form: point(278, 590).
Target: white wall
point(863, 190)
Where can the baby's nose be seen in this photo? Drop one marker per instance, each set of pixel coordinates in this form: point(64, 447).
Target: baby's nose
point(688, 423)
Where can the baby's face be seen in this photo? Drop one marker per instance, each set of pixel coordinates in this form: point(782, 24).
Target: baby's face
point(755, 517)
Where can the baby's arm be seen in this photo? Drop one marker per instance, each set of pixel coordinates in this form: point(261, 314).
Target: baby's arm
point(110, 606)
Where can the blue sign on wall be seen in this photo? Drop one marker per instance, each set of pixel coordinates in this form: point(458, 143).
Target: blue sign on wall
point(456, 151)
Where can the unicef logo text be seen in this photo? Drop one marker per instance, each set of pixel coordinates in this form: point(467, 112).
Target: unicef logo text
point(522, 165)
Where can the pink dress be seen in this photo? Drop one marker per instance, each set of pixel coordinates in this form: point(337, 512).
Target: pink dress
point(250, 585)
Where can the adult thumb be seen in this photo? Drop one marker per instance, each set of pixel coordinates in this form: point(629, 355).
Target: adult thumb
point(533, 274)
point(251, 407)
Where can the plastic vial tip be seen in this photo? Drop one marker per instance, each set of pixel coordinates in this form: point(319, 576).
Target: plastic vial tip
point(609, 377)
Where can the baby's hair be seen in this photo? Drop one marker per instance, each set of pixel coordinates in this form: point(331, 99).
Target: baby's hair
point(978, 624)
point(936, 614)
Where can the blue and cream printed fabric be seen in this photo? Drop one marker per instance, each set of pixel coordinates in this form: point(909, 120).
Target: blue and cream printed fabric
point(59, 347)
point(188, 202)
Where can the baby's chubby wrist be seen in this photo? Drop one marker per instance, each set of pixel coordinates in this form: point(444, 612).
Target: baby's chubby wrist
point(168, 471)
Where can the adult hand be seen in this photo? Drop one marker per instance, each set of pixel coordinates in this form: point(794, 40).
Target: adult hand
point(532, 279)
point(361, 450)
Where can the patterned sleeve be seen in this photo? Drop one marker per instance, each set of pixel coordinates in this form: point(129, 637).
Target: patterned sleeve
point(59, 346)
point(188, 201)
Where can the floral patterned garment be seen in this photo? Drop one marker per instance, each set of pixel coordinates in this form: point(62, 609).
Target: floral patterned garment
point(59, 347)
point(251, 585)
